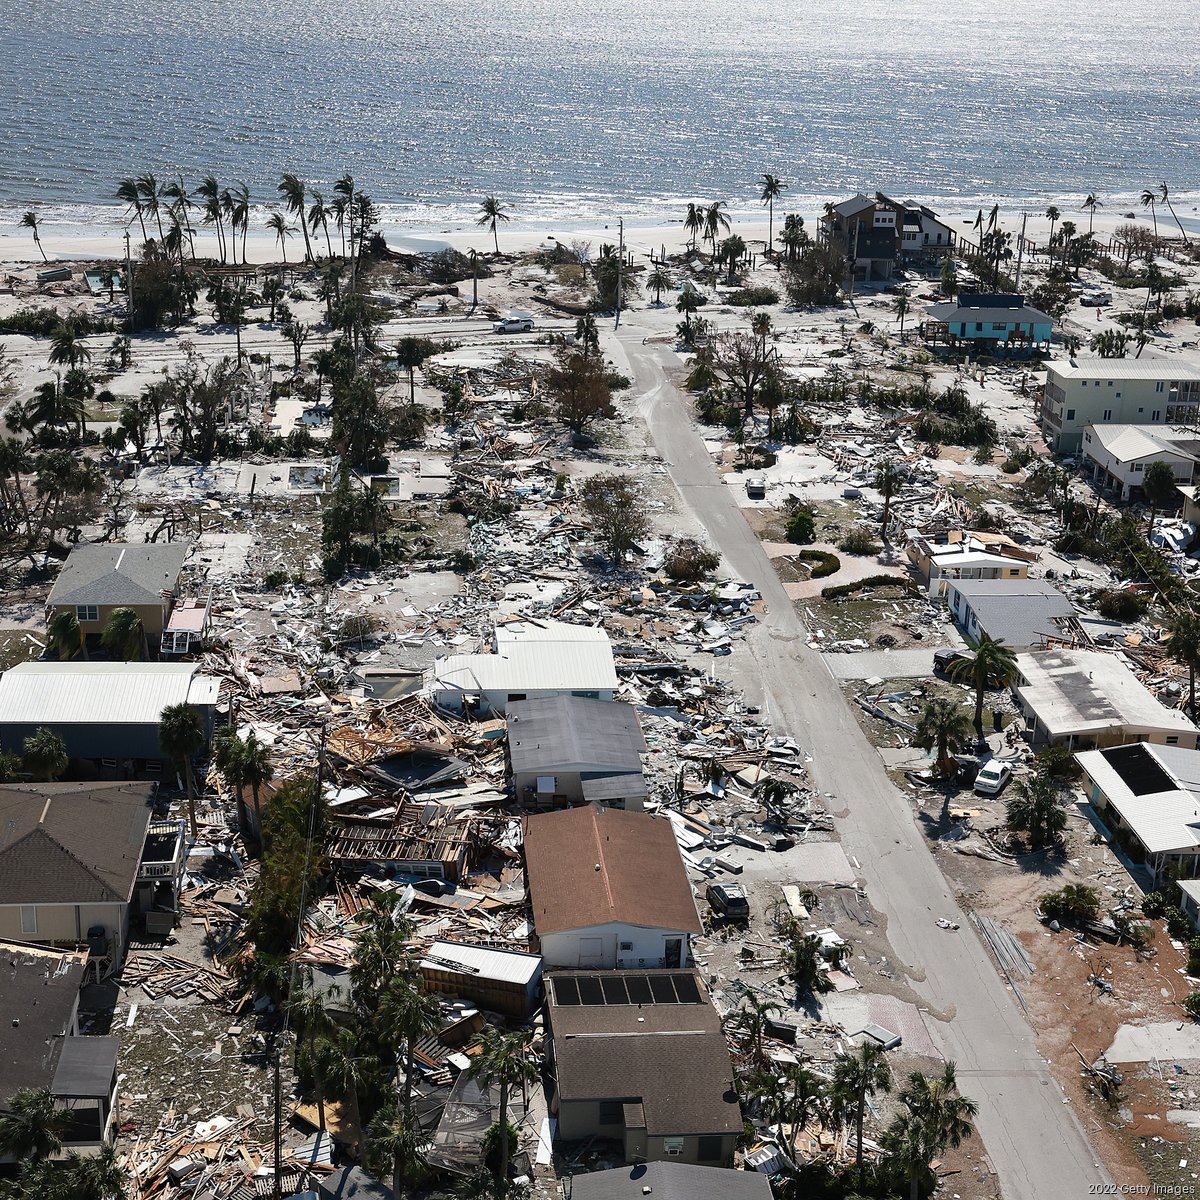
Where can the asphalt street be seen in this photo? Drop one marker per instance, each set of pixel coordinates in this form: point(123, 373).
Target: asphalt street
point(1032, 1135)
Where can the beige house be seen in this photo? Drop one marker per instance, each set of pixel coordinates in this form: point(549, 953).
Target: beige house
point(76, 858)
point(966, 554)
point(95, 579)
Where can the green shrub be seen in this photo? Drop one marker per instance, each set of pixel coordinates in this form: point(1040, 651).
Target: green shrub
point(1121, 604)
point(800, 528)
point(687, 561)
point(1154, 904)
point(1059, 763)
point(1192, 1005)
point(1178, 925)
point(859, 540)
point(840, 590)
point(274, 580)
point(1074, 902)
point(42, 322)
point(821, 563)
point(1018, 458)
point(753, 297)
point(1193, 963)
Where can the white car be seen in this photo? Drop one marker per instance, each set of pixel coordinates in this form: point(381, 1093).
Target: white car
point(514, 325)
point(992, 777)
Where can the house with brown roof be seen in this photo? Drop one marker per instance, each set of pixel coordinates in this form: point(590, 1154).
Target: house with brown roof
point(607, 888)
point(640, 1058)
point(75, 858)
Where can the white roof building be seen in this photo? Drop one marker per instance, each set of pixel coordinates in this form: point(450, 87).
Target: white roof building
point(1119, 454)
point(1088, 698)
point(529, 660)
point(1151, 794)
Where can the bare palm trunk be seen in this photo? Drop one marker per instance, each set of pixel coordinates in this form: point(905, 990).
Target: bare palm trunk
point(504, 1147)
point(190, 785)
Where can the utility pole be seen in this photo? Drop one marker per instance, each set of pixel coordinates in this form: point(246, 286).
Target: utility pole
point(277, 1185)
point(474, 280)
point(1021, 249)
point(854, 261)
point(129, 281)
point(620, 266)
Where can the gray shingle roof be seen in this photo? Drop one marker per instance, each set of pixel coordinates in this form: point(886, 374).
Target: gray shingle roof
point(558, 731)
point(1020, 612)
point(72, 843)
point(119, 573)
point(671, 1181)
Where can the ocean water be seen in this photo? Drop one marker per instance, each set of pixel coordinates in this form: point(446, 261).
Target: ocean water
point(572, 110)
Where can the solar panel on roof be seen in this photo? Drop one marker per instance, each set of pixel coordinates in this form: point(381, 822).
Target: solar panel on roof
point(662, 989)
point(618, 991)
point(566, 990)
point(589, 990)
point(686, 989)
point(639, 990)
point(613, 987)
point(1139, 770)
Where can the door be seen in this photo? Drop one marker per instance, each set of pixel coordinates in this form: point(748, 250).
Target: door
point(673, 952)
point(591, 952)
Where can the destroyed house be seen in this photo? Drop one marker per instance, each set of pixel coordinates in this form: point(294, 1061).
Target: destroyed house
point(98, 578)
point(502, 981)
point(41, 1048)
point(570, 750)
point(420, 839)
point(529, 660)
point(670, 1181)
point(963, 554)
point(1086, 699)
point(77, 860)
point(608, 889)
point(107, 713)
point(640, 1058)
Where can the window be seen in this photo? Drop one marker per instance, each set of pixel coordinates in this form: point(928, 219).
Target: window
point(1070, 414)
point(612, 1112)
point(87, 612)
point(28, 918)
point(978, 326)
point(516, 696)
point(1108, 414)
point(1173, 740)
point(626, 947)
point(1158, 387)
point(1014, 570)
point(1110, 383)
point(708, 1148)
point(999, 326)
point(1139, 467)
point(1156, 414)
point(673, 1146)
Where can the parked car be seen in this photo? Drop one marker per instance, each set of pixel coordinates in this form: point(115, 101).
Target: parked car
point(756, 487)
point(943, 660)
point(992, 777)
point(514, 325)
point(728, 899)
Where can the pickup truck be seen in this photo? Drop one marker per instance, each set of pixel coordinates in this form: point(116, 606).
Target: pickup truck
point(514, 325)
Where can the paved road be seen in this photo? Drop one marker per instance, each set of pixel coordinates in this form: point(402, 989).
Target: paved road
point(1034, 1139)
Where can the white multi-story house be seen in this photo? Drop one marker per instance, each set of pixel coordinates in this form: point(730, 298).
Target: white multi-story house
point(1118, 455)
point(1160, 389)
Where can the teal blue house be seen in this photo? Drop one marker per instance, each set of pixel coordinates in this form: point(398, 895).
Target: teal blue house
point(987, 322)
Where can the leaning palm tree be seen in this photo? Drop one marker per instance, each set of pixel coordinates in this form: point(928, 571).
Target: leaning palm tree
point(65, 635)
point(318, 218)
point(657, 281)
point(693, 223)
point(1183, 645)
point(994, 664)
point(30, 221)
point(278, 222)
point(33, 1126)
point(181, 205)
point(772, 188)
point(751, 1019)
point(295, 194)
point(502, 1060)
point(857, 1075)
point(887, 483)
point(1090, 205)
point(491, 212)
point(124, 635)
point(716, 222)
point(1150, 201)
point(209, 191)
point(181, 736)
point(44, 754)
point(942, 726)
point(1165, 195)
point(127, 190)
point(151, 194)
point(66, 348)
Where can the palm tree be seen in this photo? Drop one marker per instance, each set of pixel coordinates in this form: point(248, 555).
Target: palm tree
point(1053, 213)
point(587, 335)
point(150, 193)
point(1183, 644)
point(181, 205)
point(343, 206)
point(751, 1019)
point(181, 736)
point(935, 1118)
point(318, 218)
point(943, 725)
point(760, 326)
point(1066, 233)
point(1092, 203)
point(30, 221)
point(394, 1141)
point(716, 222)
point(793, 237)
point(1165, 194)
point(65, 635)
point(772, 189)
point(502, 1060)
point(657, 281)
point(257, 770)
point(127, 190)
point(33, 1126)
point(306, 1008)
point(209, 190)
point(887, 484)
point(66, 349)
point(1158, 488)
point(994, 664)
point(411, 352)
point(733, 249)
point(413, 1014)
point(693, 223)
point(98, 1176)
point(295, 195)
point(239, 214)
point(1150, 201)
point(689, 300)
point(858, 1074)
point(491, 212)
point(124, 635)
point(278, 222)
point(44, 754)
point(901, 307)
point(1035, 807)
point(344, 1064)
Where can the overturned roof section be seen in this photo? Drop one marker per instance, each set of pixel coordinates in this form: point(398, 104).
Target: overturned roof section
point(534, 656)
point(562, 731)
point(91, 693)
point(670, 1058)
point(1076, 692)
point(72, 843)
point(119, 573)
point(592, 866)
